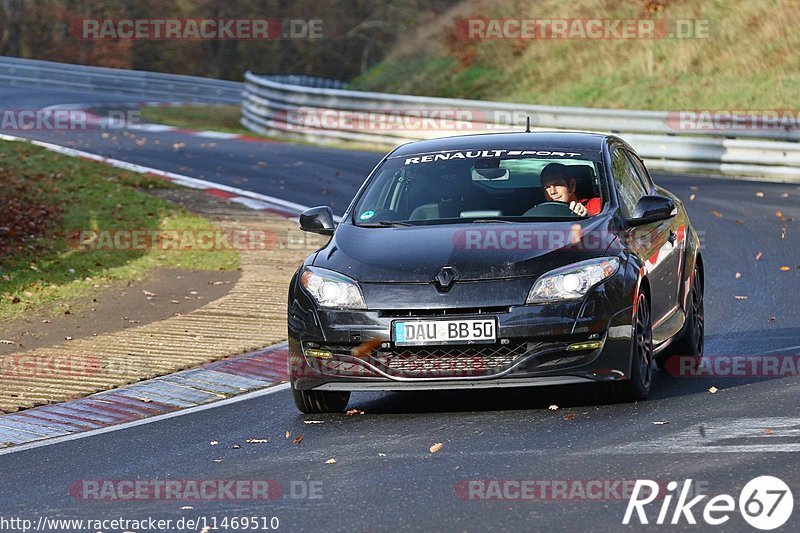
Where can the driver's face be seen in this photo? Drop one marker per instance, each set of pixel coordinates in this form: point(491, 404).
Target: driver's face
point(556, 189)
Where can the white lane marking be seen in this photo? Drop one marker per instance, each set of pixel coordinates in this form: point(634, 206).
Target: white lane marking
point(251, 203)
point(780, 350)
point(216, 135)
point(747, 435)
point(151, 128)
point(180, 179)
point(149, 420)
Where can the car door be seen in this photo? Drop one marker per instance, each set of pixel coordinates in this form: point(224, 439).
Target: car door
point(673, 250)
point(649, 241)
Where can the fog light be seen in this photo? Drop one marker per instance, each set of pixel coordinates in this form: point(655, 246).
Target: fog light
point(320, 354)
point(578, 346)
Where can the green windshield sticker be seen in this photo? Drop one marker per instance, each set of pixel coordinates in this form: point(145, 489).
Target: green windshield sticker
point(366, 215)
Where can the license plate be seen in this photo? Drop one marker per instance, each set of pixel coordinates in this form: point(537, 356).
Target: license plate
point(421, 332)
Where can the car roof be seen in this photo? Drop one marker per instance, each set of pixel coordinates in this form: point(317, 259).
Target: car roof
point(561, 140)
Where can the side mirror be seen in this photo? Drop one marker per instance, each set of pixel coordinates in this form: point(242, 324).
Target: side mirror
point(652, 208)
point(318, 220)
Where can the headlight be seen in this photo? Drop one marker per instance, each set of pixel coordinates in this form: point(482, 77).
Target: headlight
point(331, 289)
point(572, 282)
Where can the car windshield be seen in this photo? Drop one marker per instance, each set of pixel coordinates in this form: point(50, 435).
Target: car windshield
point(481, 185)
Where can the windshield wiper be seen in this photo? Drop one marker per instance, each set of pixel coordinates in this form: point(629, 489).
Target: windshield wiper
point(490, 221)
point(388, 224)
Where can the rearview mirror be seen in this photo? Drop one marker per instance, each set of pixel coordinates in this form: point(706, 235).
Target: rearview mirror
point(318, 220)
point(652, 208)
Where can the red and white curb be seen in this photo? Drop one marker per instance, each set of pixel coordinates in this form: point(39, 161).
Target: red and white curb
point(208, 383)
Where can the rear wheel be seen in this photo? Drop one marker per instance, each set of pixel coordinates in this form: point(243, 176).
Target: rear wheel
point(320, 401)
point(641, 378)
point(692, 341)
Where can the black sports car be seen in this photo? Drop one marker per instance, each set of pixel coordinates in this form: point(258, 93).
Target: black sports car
point(496, 260)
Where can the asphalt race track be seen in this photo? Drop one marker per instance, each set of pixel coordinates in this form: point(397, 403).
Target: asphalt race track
point(385, 477)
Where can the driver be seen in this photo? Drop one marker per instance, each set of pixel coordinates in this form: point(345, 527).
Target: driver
point(559, 187)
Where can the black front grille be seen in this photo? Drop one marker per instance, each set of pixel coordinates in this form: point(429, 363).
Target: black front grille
point(476, 360)
point(404, 313)
point(449, 361)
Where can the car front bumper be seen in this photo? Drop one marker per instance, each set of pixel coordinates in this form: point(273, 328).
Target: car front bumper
point(536, 344)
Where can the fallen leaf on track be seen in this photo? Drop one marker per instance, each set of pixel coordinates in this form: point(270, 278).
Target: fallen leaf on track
point(313, 422)
point(570, 416)
point(692, 197)
point(214, 442)
point(186, 508)
point(760, 194)
point(330, 461)
point(741, 297)
point(779, 214)
point(351, 412)
point(785, 268)
point(759, 255)
point(365, 348)
point(768, 431)
point(717, 214)
point(257, 441)
point(436, 447)
point(660, 422)
point(738, 275)
point(298, 439)
point(785, 195)
point(713, 390)
point(553, 407)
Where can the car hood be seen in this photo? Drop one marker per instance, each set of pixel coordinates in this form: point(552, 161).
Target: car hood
point(477, 251)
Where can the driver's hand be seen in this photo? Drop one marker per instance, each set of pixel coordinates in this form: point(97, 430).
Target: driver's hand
point(578, 208)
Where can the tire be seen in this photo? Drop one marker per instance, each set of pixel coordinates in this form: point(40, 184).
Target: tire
point(320, 401)
point(641, 377)
point(692, 340)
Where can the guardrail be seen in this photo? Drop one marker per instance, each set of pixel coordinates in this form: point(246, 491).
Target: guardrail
point(140, 84)
point(298, 107)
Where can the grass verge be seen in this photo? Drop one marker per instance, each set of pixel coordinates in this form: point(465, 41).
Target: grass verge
point(49, 198)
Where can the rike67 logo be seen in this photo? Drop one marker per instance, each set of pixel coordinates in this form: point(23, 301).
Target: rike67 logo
point(765, 503)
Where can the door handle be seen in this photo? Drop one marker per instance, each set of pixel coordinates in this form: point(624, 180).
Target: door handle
point(672, 236)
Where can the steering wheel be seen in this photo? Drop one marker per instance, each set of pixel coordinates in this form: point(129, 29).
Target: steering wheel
point(551, 209)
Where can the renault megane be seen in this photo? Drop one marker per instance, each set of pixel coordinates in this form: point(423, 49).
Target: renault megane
point(497, 260)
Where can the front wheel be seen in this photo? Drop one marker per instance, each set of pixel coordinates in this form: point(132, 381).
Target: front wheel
point(641, 378)
point(691, 342)
point(320, 401)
